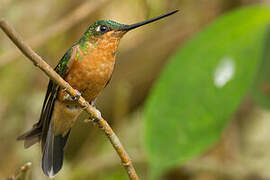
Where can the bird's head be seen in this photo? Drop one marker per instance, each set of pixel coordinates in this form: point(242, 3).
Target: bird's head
point(107, 29)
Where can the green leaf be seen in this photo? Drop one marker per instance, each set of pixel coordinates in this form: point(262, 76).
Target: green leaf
point(202, 86)
point(261, 89)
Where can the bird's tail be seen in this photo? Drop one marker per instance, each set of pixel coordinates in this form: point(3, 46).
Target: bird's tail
point(53, 152)
point(31, 137)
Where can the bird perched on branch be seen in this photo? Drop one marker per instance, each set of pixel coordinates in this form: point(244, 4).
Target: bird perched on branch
point(87, 66)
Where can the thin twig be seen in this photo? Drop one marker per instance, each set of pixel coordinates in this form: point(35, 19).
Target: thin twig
point(73, 18)
point(102, 124)
point(22, 173)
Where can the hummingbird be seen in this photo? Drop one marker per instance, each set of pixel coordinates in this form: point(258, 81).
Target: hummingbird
point(87, 66)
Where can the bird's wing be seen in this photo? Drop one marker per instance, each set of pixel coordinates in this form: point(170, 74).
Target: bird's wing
point(52, 144)
point(51, 94)
point(40, 129)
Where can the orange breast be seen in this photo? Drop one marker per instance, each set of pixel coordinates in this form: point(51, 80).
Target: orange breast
point(90, 73)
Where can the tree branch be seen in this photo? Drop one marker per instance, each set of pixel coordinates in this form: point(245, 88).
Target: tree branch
point(102, 124)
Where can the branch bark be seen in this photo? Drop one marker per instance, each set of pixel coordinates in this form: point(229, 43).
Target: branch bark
point(100, 122)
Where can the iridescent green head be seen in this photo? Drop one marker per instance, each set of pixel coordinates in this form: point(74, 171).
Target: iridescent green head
point(102, 27)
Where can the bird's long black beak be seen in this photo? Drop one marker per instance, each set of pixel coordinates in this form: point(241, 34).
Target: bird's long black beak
point(133, 26)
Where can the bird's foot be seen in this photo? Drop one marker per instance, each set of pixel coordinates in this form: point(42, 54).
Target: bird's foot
point(98, 115)
point(76, 97)
point(68, 97)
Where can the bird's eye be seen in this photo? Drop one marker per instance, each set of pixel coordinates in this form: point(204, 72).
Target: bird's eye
point(102, 28)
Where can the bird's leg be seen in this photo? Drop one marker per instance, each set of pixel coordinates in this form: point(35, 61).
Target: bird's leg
point(97, 113)
point(92, 103)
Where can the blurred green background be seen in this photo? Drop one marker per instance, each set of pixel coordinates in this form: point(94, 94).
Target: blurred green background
point(189, 98)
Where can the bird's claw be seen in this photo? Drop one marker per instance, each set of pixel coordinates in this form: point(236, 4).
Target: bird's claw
point(98, 115)
point(76, 97)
